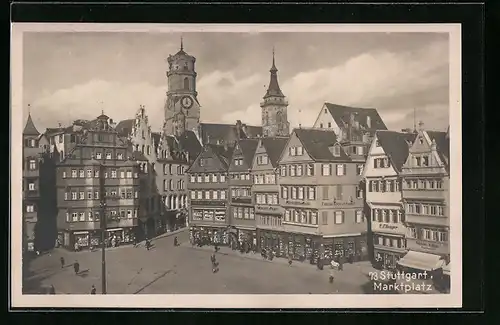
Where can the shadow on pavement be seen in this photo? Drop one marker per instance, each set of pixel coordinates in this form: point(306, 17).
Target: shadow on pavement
point(150, 283)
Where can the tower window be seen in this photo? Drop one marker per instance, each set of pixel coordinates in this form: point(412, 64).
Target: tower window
point(186, 83)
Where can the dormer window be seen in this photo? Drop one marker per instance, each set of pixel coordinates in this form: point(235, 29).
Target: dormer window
point(421, 140)
point(377, 143)
point(326, 111)
point(336, 150)
point(300, 151)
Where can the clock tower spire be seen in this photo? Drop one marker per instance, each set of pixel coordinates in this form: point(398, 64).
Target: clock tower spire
point(274, 107)
point(182, 109)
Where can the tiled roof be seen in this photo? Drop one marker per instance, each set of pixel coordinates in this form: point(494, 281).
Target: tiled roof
point(30, 128)
point(274, 148)
point(317, 142)
point(213, 131)
point(442, 144)
point(138, 156)
point(125, 127)
point(248, 147)
point(224, 153)
point(190, 143)
point(395, 146)
point(342, 115)
point(253, 131)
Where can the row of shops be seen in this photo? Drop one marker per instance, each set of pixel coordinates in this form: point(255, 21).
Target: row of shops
point(298, 246)
point(78, 240)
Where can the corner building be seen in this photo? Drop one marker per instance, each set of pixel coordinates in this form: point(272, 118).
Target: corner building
point(208, 196)
point(98, 152)
point(426, 199)
point(322, 200)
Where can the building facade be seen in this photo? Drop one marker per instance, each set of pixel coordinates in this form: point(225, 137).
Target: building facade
point(382, 174)
point(242, 209)
point(99, 164)
point(426, 199)
point(265, 192)
point(208, 186)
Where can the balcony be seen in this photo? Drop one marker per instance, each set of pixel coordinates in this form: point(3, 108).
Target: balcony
point(425, 194)
point(427, 220)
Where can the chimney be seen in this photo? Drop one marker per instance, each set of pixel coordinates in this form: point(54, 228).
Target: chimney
point(238, 129)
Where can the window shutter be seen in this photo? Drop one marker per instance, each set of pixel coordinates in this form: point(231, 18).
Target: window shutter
point(339, 191)
point(343, 216)
point(375, 163)
point(345, 169)
point(330, 169)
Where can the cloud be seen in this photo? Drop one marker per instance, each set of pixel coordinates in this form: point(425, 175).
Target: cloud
point(392, 82)
point(119, 101)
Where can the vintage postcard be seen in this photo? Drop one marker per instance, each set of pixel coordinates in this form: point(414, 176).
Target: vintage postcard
point(236, 166)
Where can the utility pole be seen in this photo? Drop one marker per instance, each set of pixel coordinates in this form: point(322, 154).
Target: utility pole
point(102, 190)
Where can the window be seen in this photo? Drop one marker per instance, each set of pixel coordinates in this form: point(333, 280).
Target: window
point(359, 150)
point(30, 208)
point(311, 193)
point(324, 217)
point(339, 217)
point(31, 186)
point(122, 174)
point(284, 192)
point(113, 173)
point(222, 178)
point(292, 170)
point(81, 173)
point(341, 169)
point(81, 216)
point(193, 195)
point(425, 161)
point(119, 156)
point(359, 169)
point(326, 169)
point(336, 150)
point(359, 192)
point(32, 164)
point(310, 170)
point(300, 151)
point(199, 195)
point(294, 193)
point(301, 193)
point(340, 192)
point(214, 178)
point(98, 155)
point(329, 124)
point(321, 125)
point(207, 178)
point(193, 179)
point(292, 151)
point(82, 196)
point(359, 216)
point(74, 216)
point(222, 195)
point(262, 160)
point(89, 195)
point(170, 184)
point(108, 155)
point(283, 171)
point(207, 195)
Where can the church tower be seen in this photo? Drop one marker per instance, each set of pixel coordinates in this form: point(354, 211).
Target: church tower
point(274, 108)
point(182, 109)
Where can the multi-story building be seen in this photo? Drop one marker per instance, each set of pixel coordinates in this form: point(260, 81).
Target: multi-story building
point(208, 196)
point(382, 174)
point(265, 191)
point(322, 197)
point(426, 199)
point(99, 155)
point(35, 146)
point(242, 210)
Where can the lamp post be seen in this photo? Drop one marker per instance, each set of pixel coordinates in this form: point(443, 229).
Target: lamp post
point(102, 190)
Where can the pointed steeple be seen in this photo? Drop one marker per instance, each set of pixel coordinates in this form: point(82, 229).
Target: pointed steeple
point(274, 89)
point(182, 45)
point(30, 128)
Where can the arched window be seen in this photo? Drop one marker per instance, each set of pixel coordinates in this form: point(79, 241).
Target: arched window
point(142, 148)
point(186, 83)
point(149, 150)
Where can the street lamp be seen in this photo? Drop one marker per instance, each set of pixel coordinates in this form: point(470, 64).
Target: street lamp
point(102, 190)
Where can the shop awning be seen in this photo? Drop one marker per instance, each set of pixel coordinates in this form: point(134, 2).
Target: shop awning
point(80, 232)
point(421, 261)
point(115, 229)
point(447, 269)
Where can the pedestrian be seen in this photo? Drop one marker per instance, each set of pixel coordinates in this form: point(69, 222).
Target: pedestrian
point(77, 247)
point(62, 262)
point(330, 279)
point(52, 290)
point(176, 242)
point(93, 290)
point(148, 244)
point(216, 247)
point(135, 242)
point(76, 267)
point(289, 260)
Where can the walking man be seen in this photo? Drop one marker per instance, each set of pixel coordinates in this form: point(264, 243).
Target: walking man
point(76, 267)
point(93, 290)
point(62, 262)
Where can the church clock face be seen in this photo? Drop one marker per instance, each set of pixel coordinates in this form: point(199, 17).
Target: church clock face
point(186, 102)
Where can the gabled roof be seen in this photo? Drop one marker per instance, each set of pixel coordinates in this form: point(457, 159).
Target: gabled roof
point(213, 131)
point(317, 143)
point(274, 147)
point(125, 127)
point(442, 144)
point(188, 141)
point(218, 152)
point(248, 148)
point(395, 146)
point(30, 128)
point(342, 115)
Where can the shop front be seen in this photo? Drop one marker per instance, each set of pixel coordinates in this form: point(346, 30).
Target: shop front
point(209, 235)
point(349, 248)
point(387, 259)
point(246, 239)
point(298, 246)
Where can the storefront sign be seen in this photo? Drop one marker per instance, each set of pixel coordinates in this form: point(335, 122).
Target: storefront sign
point(208, 214)
point(297, 202)
point(395, 228)
point(208, 203)
point(198, 215)
point(267, 208)
point(220, 215)
point(427, 246)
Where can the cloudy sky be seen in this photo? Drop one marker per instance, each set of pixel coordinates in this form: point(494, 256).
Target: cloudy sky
point(67, 76)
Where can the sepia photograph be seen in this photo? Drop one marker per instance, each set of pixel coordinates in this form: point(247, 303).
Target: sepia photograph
point(236, 166)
